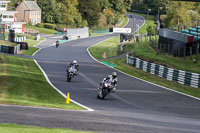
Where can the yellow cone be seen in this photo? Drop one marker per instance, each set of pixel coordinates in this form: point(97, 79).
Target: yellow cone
point(67, 99)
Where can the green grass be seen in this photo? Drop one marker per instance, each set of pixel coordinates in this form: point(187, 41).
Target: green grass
point(32, 49)
point(140, 51)
point(164, 59)
point(96, 34)
point(41, 30)
point(125, 21)
point(22, 82)
point(150, 21)
point(106, 49)
point(14, 128)
point(19, 34)
point(7, 43)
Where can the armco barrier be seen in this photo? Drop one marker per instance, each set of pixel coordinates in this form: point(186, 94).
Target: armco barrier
point(182, 77)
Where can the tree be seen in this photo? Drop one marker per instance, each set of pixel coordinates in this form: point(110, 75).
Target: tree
point(104, 4)
point(177, 13)
point(90, 11)
point(50, 11)
point(118, 8)
point(70, 13)
point(13, 4)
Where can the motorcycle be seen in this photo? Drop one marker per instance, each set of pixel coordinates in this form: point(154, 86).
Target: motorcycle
point(57, 44)
point(70, 73)
point(104, 90)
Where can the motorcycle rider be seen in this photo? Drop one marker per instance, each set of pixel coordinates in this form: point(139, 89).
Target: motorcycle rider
point(113, 79)
point(57, 43)
point(75, 65)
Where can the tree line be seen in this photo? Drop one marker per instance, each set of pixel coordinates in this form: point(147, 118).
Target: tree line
point(80, 13)
point(173, 13)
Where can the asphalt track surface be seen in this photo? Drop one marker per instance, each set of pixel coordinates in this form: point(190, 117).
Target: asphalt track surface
point(136, 107)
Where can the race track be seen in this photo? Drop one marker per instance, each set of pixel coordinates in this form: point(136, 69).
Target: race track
point(136, 107)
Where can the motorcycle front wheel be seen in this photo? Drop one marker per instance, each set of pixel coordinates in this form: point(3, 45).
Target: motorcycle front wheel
point(104, 92)
point(68, 78)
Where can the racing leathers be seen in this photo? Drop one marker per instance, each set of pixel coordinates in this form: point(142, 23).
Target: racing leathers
point(113, 81)
point(75, 68)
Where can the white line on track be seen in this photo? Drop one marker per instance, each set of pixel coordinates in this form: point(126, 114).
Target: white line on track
point(36, 107)
point(36, 52)
point(46, 77)
point(39, 42)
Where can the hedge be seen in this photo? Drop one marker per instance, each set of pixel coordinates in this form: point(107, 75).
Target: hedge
point(46, 25)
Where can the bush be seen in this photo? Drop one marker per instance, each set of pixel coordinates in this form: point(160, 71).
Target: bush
point(62, 26)
point(49, 26)
point(40, 25)
point(46, 25)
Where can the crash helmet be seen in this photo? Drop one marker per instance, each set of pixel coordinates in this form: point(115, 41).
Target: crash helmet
point(74, 62)
point(114, 74)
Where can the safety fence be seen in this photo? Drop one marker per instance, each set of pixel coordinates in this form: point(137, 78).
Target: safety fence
point(182, 77)
point(20, 39)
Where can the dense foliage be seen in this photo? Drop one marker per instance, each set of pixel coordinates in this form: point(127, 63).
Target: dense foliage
point(173, 13)
point(79, 13)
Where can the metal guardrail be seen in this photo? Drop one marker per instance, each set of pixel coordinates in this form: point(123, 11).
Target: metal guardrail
point(182, 77)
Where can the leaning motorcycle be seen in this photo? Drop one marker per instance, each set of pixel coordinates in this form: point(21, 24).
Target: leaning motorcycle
point(104, 90)
point(70, 73)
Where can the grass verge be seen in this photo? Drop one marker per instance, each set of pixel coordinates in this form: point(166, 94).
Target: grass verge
point(14, 128)
point(150, 21)
point(125, 21)
point(140, 50)
point(7, 43)
point(32, 49)
point(106, 48)
point(22, 83)
point(122, 66)
point(41, 30)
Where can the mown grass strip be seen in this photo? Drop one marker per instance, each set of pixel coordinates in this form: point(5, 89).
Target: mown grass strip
point(7, 43)
point(22, 83)
point(140, 50)
point(105, 49)
point(15, 128)
point(41, 30)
